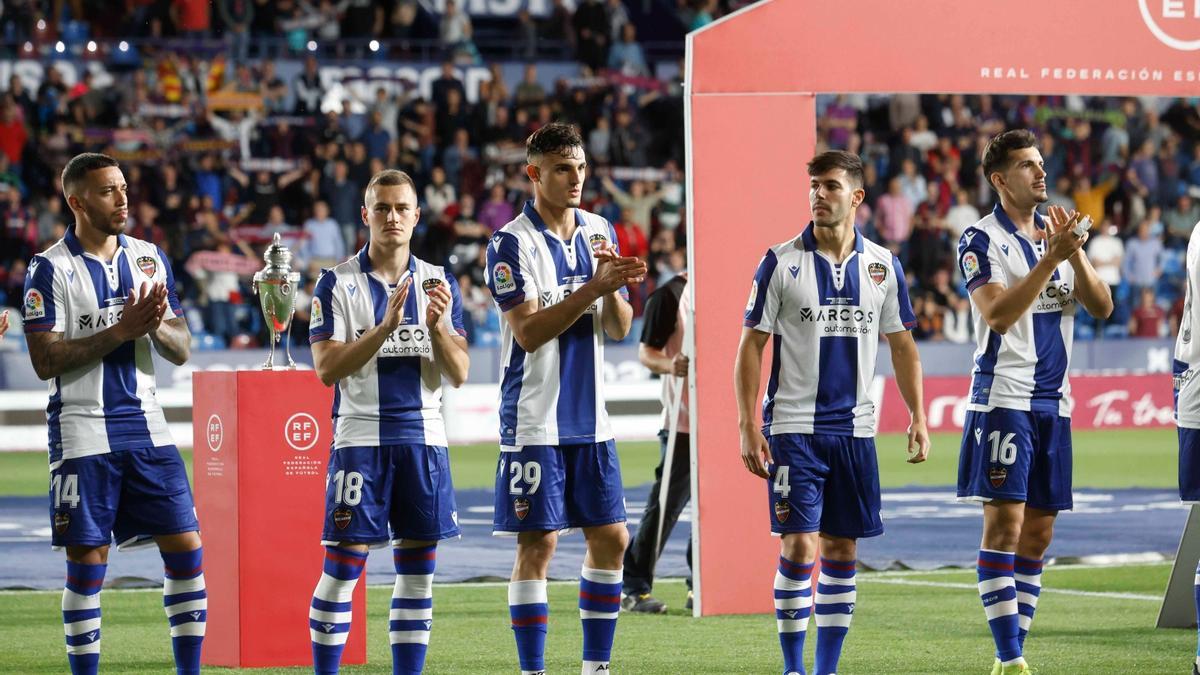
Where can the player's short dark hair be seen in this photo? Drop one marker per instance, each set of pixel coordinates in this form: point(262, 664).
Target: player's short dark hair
point(554, 138)
point(838, 159)
point(81, 165)
point(389, 178)
point(995, 155)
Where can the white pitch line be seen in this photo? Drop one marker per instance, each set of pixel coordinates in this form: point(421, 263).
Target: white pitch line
point(973, 587)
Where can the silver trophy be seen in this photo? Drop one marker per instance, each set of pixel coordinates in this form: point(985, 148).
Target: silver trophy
point(275, 286)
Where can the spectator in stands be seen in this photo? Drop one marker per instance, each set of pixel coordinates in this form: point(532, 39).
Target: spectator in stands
point(527, 35)
point(1143, 255)
point(1106, 252)
point(458, 155)
point(13, 133)
point(1089, 199)
point(237, 17)
point(1180, 219)
point(324, 245)
point(191, 17)
point(893, 218)
point(626, 55)
point(1148, 320)
point(497, 211)
point(455, 27)
point(636, 202)
point(591, 34)
point(308, 88)
point(439, 195)
point(375, 138)
point(470, 236)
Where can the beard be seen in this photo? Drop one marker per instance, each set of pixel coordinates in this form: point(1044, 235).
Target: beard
point(106, 222)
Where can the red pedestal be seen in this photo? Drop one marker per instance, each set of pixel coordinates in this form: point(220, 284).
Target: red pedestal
point(261, 442)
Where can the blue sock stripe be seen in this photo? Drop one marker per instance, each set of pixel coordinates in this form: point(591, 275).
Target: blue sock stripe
point(319, 626)
point(833, 589)
point(999, 595)
point(781, 594)
point(421, 560)
point(842, 569)
point(184, 564)
point(798, 613)
point(344, 564)
point(1027, 566)
point(85, 579)
point(407, 624)
point(412, 603)
point(794, 571)
point(327, 606)
point(596, 597)
point(186, 617)
point(1026, 610)
point(73, 615)
point(169, 600)
point(530, 610)
point(82, 638)
point(1032, 589)
point(824, 608)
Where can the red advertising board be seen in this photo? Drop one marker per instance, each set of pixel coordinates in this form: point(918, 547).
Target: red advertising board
point(261, 445)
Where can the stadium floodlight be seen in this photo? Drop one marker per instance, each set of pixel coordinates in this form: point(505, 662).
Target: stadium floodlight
point(60, 47)
point(312, 45)
point(91, 46)
point(41, 24)
point(373, 45)
point(28, 46)
point(123, 46)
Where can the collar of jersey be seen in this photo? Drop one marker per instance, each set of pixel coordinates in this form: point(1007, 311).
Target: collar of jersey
point(364, 261)
point(810, 240)
point(535, 218)
point(1008, 224)
point(76, 248)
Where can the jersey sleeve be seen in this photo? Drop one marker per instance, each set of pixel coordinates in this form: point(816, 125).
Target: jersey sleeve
point(978, 264)
point(897, 308)
point(169, 277)
point(45, 298)
point(456, 305)
point(326, 321)
point(763, 307)
point(660, 317)
point(507, 274)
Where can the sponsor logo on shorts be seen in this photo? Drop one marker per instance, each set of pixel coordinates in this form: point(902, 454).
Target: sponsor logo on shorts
point(429, 284)
point(35, 305)
point(521, 507)
point(342, 517)
point(62, 521)
point(997, 475)
point(147, 265)
point(782, 511)
point(878, 272)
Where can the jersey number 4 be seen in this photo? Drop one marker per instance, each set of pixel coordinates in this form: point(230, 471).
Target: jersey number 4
point(782, 486)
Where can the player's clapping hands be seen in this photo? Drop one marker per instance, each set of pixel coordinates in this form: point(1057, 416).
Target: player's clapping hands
point(1061, 242)
point(439, 301)
point(144, 310)
point(614, 271)
point(393, 314)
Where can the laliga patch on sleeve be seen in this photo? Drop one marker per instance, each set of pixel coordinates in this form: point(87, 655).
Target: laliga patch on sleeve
point(753, 296)
point(35, 305)
point(317, 316)
point(503, 277)
point(970, 265)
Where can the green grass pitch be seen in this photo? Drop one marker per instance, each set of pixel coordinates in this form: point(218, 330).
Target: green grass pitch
point(915, 622)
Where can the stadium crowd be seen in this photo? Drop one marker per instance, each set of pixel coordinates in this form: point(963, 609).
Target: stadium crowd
point(221, 152)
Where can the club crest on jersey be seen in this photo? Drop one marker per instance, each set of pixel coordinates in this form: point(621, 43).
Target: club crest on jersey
point(429, 284)
point(342, 517)
point(521, 507)
point(970, 264)
point(317, 316)
point(147, 265)
point(753, 296)
point(502, 276)
point(997, 475)
point(62, 521)
point(878, 272)
point(782, 511)
point(597, 241)
point(35, 305)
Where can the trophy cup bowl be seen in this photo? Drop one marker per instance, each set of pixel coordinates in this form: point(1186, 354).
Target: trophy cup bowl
point(275, 286)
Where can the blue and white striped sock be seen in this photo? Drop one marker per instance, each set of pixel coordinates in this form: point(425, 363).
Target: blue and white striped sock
point(998, 590)
point(185, 601)
point(1027, 573)
point(411, 619)
point(81, 616)
point(793, 606)
point(530, 613)
point(599, 606)
point(330, 612)
point(833, 608)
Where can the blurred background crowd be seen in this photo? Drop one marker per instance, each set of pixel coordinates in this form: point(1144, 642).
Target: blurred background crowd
point(238, 119)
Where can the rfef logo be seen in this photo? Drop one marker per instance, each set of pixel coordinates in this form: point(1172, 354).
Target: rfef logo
point(215, 432)
point(301, 431)
point(1176, 23)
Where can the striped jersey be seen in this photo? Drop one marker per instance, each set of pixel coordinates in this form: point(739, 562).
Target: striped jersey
point(1026, 368)
point(825, 319)
point(397, 396)
point(1187, 351)
point(108, 405)
point(554, 395)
